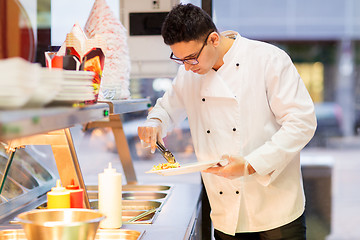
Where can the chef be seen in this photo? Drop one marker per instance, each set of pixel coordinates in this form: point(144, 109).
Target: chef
point(246, 104)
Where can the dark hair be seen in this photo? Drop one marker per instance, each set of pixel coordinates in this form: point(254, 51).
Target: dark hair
point(186, 23)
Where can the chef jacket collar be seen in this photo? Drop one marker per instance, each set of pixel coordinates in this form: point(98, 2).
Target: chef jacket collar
point(232, 54)
point(213, 85)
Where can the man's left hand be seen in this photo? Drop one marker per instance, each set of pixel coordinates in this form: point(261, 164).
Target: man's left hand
point(237, 167)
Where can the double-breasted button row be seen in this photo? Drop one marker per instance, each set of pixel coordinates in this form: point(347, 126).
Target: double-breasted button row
point(221, 192)
point(208, 131)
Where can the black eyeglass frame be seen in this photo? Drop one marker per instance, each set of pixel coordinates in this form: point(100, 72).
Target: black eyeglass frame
point(191, 61)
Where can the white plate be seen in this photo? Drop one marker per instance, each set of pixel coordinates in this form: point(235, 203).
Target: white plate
point(75, 98)
point(78, 73)
point(13, 102)
point(187, 168)
point(4, 92)
point(80, 89)
point(77, 83)
point(78, 79)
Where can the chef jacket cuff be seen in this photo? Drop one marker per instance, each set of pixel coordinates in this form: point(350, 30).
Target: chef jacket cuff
point(164, 123)
point(263, 179)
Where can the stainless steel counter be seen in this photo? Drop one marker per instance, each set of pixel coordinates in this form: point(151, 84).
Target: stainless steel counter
point(179, 212)
point(175, 221)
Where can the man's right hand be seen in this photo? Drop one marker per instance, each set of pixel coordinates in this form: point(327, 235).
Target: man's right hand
point(150, 132)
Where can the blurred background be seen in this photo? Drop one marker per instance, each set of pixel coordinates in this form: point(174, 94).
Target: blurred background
point(322, 37)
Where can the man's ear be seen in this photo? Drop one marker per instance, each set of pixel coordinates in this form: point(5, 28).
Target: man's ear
point(214, 39)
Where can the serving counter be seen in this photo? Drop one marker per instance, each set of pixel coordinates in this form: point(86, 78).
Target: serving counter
point(178, 217)
point(50, 126)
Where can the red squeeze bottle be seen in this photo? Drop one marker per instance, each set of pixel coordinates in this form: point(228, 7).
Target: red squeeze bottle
point(76, 195)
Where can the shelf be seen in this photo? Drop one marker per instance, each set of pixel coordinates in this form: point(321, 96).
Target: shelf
point(26, 122)
point(133, 105)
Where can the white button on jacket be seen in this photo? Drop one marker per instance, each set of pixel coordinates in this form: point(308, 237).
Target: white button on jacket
point(274, 119)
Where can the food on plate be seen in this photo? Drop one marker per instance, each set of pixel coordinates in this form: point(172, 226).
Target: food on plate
point(167, 165)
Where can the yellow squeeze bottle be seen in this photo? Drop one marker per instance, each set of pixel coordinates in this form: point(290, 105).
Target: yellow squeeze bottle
point(58, 197)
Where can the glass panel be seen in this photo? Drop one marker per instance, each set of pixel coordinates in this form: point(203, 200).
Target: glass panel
point(25, 169)
point(18, 173)
point(27, 162)
point(10, 189)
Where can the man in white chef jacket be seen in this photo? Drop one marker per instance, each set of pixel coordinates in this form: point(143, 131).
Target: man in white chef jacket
point(246, 103)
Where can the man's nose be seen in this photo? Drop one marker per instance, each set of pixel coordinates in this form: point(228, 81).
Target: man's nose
point(187, 66)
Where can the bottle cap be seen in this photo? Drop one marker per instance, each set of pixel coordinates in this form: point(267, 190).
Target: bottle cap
point(58, 187)
point(72, 186)
point(110, 169)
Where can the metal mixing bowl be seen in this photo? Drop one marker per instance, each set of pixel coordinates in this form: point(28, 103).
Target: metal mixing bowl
point(60, 224)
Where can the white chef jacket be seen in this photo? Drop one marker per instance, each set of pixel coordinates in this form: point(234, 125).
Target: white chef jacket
point(255, 106)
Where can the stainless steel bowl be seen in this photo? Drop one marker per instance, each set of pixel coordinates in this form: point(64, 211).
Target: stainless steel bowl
point(59, 224)
point(102, 234)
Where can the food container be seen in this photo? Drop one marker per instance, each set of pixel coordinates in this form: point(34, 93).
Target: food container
point(56, 224)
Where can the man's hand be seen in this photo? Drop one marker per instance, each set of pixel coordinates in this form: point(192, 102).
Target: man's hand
point(237, 167)
point(150, 132)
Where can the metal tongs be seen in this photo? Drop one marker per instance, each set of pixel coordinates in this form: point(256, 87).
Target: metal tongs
point(165, 153)
point(142, 215)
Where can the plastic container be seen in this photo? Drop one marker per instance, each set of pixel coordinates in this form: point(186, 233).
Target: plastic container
point(58, 197)
point(76, 195)
point(110, 197)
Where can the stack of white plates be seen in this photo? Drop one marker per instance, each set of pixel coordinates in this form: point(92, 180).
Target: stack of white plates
point(28, 84)
point(76, 87)
point(18, 81)
point(49, 85)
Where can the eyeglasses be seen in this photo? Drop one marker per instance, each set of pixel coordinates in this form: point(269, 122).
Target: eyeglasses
point(191, 61)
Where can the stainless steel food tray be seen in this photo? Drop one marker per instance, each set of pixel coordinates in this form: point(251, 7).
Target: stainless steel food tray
point(136, 199)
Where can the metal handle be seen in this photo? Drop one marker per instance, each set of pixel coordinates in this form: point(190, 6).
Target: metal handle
point(14, 222)
point(165, 153)
point(161, 147)
point(6, 171)
point(142, 215)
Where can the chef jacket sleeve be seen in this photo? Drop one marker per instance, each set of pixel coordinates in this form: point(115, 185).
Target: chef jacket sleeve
point(170, 108)
point(293, 110)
